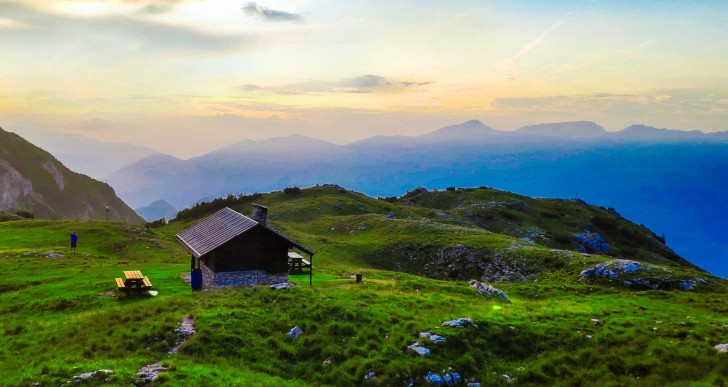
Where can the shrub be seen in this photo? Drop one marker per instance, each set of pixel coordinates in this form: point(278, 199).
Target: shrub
point(157, 223)
point(291, 190)
point(451, 188)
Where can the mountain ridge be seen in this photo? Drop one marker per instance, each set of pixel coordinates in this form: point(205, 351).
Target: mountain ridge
point(31, 179)
point(87, 155)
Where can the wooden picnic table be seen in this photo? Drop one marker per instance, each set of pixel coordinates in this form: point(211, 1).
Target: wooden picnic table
point(134, 281)
point(296, 263)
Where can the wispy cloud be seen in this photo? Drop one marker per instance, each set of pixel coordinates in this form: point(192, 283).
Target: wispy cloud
point(254, 10)
point(655, 102)
point(112, 34)
point(362, 84)
point(539, 39)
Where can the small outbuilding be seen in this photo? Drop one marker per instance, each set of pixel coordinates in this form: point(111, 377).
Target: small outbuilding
point(230, 249)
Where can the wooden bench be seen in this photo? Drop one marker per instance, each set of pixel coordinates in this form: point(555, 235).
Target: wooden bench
point(135, 282)
point(120, 284)
point(306, 263)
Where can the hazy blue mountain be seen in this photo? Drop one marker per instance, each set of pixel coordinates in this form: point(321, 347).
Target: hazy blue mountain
point(87, 155)
point(157, 210)
point(577, 129)
point(295, 147)
point(673, 183)
point(473, 130)
point(649, 133)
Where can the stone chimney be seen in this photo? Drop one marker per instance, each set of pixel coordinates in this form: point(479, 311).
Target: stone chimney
point(260, 214)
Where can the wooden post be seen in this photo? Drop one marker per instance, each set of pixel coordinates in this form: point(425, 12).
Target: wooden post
point(310, 270)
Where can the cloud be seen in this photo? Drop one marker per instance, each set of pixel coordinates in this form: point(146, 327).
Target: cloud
point(112, 34)
point(254, 10)
point(649, 103)
point(539, 39)
point(158, 7)
point(362, 84)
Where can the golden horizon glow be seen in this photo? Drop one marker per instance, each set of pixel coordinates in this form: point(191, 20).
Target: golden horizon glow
point(343, 71)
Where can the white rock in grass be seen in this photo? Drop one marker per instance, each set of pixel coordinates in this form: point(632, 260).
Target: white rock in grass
point(721, 347)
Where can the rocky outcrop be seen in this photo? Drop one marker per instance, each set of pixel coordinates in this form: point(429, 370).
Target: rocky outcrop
point(57, 175)
point(592, 242)
point(32, 180)
point(14, 186)
point(639, 275)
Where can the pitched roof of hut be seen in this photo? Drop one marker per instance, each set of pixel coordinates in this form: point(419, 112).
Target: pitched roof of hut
point(218, 229)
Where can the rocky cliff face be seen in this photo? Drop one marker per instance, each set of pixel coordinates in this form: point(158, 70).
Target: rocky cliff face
point(32, 180)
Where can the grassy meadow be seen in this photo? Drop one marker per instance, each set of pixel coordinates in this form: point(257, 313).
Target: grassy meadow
point(61, 315)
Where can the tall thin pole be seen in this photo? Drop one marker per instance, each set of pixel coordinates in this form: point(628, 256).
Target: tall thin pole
point(310, 271)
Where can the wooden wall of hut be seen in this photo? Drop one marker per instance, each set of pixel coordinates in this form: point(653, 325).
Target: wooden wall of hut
point(258, 249)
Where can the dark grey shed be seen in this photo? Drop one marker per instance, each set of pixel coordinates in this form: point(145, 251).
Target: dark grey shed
point(231, 249)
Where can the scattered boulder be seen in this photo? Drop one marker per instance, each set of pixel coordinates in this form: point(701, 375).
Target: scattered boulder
point(295, 332)
point(370, 375)
point(422, 351)
point(459, 323)
point(91, 375)
point(452, 378)
point(592, 242)
point(149, 372)
point(721, 347)
point(609, 269)
point(434, 379)
point(507, 378)
point(436, 339)
point(279, 286)
point(488, 290)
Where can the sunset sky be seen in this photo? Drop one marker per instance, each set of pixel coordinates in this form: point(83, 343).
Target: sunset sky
point(187, 76)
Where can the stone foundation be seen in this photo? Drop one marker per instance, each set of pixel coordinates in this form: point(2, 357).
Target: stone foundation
point(208, 277)
point(227, 279)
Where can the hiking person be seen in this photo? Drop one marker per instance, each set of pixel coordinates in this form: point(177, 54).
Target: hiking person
point(74, 242)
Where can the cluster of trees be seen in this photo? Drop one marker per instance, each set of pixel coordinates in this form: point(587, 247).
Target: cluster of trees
point(203, 208)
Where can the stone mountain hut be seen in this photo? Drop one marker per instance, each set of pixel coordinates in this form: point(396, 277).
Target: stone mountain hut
point(230, 249)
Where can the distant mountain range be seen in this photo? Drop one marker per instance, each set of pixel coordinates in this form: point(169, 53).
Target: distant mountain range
point(673, 181)
point(86, 155)
point(31, 179)
point(157, 210)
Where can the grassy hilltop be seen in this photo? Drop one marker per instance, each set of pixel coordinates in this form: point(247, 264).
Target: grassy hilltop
point(61, 316)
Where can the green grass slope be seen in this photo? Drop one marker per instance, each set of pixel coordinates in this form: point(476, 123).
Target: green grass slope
point(62, 317)
point(31, 179)
point(458, 234)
